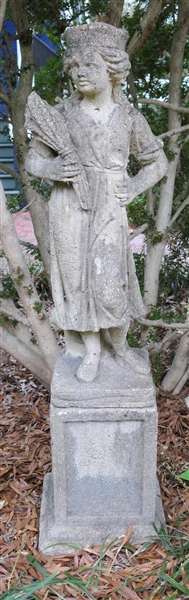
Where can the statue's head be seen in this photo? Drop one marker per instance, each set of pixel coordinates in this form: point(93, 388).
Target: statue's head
point(96, 42)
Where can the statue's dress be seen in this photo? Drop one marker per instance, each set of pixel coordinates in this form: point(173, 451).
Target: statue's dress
point(93, 274)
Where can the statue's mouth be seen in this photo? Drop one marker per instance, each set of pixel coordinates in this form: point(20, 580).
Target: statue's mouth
point(83, 82)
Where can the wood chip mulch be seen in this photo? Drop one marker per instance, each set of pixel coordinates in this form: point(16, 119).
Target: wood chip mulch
point(26, 457)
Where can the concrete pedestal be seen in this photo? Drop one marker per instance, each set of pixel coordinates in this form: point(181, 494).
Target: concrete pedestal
point(104, 439)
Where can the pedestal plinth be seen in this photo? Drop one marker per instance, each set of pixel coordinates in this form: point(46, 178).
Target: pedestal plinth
point(103, 476)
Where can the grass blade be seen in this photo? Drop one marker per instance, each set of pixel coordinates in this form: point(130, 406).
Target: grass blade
point(176, 585)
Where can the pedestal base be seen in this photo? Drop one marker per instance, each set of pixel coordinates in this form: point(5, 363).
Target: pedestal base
point(59, 539)
point(103, 457)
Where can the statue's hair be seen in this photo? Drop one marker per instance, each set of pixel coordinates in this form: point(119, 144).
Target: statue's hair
point(118, 66)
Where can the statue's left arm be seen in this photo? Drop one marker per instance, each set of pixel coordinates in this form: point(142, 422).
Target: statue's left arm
point(148, 150)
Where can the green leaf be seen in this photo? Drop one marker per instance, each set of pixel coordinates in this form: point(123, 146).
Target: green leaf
point(185, 475)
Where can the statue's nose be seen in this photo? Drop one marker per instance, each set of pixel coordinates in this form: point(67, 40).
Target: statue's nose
point(81, 72)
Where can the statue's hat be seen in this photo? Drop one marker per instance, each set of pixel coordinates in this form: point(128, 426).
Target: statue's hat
point(98, 35)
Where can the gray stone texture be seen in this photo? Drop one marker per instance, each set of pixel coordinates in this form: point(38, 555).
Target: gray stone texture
point(115, 385)
point(83, 145)
point(104, 462)
point(103, 413)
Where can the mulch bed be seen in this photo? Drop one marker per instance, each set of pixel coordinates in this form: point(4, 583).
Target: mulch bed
point(26, 457)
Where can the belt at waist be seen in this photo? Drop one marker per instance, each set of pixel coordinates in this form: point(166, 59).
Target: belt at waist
point(105, 170)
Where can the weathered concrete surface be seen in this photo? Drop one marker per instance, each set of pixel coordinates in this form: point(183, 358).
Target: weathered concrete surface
point(103, 414)
point(65, 538)
point(113, 386)
point(83, 146)
point(104, 463)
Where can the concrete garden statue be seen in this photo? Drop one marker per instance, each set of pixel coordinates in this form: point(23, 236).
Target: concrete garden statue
point(103, 412)
point(83, 145)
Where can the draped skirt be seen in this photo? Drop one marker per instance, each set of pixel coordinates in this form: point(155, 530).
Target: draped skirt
point(93, 274)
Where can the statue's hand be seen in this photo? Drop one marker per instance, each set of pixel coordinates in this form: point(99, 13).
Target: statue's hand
point(125, 191)
point(58, 170)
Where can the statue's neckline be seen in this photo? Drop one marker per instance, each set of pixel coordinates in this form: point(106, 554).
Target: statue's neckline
point(91, 115)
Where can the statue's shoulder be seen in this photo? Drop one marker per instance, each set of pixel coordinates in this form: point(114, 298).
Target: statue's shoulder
point(65, 107)
point(135, 115)
point(139, 127)
point(127, 112)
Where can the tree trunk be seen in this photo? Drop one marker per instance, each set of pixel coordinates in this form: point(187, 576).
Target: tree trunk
point(162, 221)
point(36, 316)
point(26, 356)
point(2, 12)
point(17, 114)
point(40, 220)
point(114, 12)
point(147, 25)
point(155, 252)
point(178, 366)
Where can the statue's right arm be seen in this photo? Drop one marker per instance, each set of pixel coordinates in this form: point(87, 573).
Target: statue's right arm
point(39, 159)
point(42, 162)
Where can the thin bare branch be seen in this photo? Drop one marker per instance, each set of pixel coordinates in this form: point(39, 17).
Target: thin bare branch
point(179, 210)
point(9, 309)
point(156, 347)
point(9, 171)
point(147, 25)
point(4, 96)
point(138, 230)
point(174, 132)
point(168, 105)
point(180, 197)
point(161, 323)
point(12, 55)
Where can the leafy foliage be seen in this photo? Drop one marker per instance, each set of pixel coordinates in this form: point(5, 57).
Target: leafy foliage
point(150, 68)
point(50, 80)
point(174, 276)
point(8, 289)
point(37, 273)
point(42, 187)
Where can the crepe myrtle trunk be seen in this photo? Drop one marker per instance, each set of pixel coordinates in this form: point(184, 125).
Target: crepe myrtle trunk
point(114, 12)
point(155, 252)
point(3, 4)
point(42, 357)
point(34, 200)
point(16, 108)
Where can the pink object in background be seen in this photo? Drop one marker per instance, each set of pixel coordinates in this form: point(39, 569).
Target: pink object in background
point(24, 227)
point(138, 243)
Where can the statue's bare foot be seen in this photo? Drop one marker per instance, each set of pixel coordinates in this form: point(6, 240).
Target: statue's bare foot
point(88, 368)
point(136, 362)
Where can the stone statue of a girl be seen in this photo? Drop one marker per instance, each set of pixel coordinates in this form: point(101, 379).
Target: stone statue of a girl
point(94, 283)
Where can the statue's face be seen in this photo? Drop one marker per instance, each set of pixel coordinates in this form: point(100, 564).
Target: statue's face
point(89, 73)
